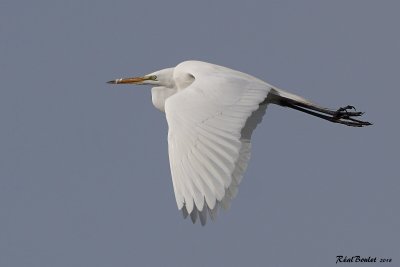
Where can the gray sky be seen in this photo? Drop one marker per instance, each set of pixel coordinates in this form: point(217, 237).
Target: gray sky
point(84, 172)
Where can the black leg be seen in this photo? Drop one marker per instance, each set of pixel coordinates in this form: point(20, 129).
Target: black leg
point(343, 115)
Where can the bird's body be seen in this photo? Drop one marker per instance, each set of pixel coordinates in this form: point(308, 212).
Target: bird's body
point(211, 113)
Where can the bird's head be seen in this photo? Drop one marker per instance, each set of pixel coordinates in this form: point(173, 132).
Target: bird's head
point(158, 78)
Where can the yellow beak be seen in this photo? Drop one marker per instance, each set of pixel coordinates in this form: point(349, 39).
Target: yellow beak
point(132, 80)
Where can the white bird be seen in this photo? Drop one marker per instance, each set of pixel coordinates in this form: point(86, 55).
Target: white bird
point(211, 113)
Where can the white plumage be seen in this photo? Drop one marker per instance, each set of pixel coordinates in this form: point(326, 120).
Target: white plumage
point(211, 113)
point(205, 120)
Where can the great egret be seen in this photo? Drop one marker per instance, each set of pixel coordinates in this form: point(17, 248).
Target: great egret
point(211, 113)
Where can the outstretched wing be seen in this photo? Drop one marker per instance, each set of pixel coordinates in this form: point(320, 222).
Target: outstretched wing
point(207, 151)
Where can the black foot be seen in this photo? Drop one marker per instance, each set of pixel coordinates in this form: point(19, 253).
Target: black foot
point(346, 108)
point(344, 115)
point(345, 111)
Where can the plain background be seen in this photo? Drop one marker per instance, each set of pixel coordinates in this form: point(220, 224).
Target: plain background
point(84, 172)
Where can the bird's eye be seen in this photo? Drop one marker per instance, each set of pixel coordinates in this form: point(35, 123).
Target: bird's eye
point(153, 77)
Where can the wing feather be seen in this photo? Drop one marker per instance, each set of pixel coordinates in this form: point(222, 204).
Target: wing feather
point(218, 165)
point(207, 169)
point(196, 184)
point(208, 154)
